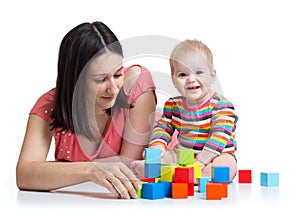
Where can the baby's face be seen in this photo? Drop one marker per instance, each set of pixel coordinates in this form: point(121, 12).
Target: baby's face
point(193, 77)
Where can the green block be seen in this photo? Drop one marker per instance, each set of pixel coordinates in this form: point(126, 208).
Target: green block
point(139, 192)
point(185, 156)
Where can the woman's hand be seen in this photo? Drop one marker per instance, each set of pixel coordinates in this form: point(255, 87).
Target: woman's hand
point(117, 178)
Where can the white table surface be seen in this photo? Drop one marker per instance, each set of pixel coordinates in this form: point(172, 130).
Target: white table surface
point(89, 197)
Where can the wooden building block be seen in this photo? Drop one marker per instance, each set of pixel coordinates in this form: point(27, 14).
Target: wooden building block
point(213, 191)
point(269, 179)
point(167, 188)
point(184, 175)
point(224, 190)
point(152, 170)
point(185, 156)
point(148, 180)
point(191, 191)
point(139, 192)
point(202, 184)
point(152, 155)
point(179, 190)
point(245, 176)
point(197, 169)
point(153, 191)
point(220, 174)
point(167, 172)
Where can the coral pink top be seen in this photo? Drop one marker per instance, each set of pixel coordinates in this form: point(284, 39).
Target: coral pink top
point(67, 146)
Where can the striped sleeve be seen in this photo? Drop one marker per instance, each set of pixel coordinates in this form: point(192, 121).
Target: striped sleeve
point(222, 126)
point(163, 131)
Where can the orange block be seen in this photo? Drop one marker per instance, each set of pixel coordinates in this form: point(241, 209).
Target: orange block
point(179, 190)
point(224, 190)
point(213, 191)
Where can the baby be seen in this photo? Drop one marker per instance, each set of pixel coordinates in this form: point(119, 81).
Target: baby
point(199, 118)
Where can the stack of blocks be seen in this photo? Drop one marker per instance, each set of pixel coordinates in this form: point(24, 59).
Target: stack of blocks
point(216, 188)
point(176, 180)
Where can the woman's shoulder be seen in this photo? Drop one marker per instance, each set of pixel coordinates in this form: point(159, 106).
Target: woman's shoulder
point(135, 68)
point(138, 79)
point(44, 105)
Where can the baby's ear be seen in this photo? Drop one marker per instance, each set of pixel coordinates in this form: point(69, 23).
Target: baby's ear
point(214, 74)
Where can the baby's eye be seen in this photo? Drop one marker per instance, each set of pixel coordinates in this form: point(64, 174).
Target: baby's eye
point(181, 75)
point(199, 72)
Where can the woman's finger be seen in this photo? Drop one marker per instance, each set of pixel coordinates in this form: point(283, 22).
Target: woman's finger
point(110, 187)
point(121, 188)
point(130, 181)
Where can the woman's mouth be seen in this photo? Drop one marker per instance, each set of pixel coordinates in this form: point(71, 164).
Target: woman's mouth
point(108, 98)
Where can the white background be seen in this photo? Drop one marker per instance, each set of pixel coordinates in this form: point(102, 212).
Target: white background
point(256, 53)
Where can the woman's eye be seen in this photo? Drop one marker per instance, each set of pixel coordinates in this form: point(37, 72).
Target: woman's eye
point(99, 81)
point(118, 76)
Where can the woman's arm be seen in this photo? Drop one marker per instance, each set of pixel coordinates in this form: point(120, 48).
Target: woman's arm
point(138, 127)
point(139, 121)
point(33, 172)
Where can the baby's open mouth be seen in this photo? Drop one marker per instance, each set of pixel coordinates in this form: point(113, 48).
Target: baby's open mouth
point(193, 87)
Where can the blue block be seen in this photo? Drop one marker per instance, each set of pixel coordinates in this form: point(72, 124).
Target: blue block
point(153, 191)
point(167, 188)
point(202, 184)
point(220, 174)
point(152, 170)
point(269, 179)
point(152, 155)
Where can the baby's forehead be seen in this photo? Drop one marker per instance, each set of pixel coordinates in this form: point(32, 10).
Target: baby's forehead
point(190, 52)
point(192, 57)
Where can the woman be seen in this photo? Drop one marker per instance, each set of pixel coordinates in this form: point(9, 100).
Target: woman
point(99, 113)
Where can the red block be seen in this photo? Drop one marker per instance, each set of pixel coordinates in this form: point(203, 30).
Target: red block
point(184, 175)
point(150, 180)
point(191, 189)
point(245, 176)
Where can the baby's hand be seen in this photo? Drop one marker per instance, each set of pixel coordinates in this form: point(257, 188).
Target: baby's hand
point(162, 149)
point(197, 159)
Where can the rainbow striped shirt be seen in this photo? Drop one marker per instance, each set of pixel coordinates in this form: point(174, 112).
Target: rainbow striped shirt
point(210, 126)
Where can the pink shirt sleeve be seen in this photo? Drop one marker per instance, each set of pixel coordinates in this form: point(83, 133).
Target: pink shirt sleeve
point(44, 106)
point(143, 83)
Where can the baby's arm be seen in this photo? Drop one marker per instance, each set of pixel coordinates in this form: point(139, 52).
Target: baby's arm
point(205, 157)
point(222, 129)
point(163, 131)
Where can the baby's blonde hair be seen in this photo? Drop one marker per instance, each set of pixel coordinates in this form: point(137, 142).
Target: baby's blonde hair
point(188, 46)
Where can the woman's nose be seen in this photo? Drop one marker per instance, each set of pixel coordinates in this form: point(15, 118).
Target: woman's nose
point(112, 86)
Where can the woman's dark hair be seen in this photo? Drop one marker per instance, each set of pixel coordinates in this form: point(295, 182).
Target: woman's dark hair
point(78, 47)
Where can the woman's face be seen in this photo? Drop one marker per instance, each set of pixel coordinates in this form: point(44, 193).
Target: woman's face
point(105, 78)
